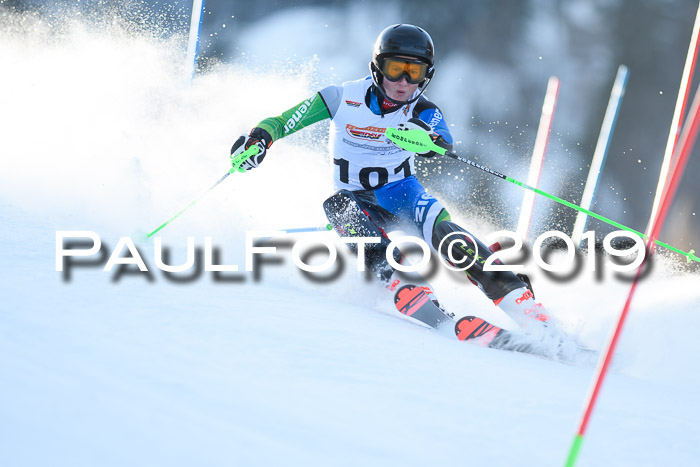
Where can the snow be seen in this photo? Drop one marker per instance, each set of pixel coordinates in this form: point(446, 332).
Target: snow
point(108, 369)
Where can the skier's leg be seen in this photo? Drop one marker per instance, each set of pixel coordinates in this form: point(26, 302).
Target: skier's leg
point(507, 290)
point(425, 214)
point(353, 214)
point(408, 200)
point(461, 248)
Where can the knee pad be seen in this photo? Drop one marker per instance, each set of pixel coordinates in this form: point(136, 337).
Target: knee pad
point(464, 250)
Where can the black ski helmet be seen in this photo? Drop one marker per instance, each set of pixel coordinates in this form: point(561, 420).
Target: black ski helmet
point(406, 40)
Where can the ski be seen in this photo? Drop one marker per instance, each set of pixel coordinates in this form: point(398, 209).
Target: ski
point(414, 301)
point(471, 328)
point(420, 303)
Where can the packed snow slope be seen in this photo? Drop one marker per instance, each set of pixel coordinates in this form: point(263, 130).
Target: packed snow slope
point(101, 134)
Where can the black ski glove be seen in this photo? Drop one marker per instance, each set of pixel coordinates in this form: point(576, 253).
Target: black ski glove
point(417, 123)
point(258, 137)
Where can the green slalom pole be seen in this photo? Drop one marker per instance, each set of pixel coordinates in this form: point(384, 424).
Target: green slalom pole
point(235, 167)
point(573, 453)
point(419, 141)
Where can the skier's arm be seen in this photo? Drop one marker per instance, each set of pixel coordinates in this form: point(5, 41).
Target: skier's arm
point(312, 110)
point(431, 114)
point(428, 113)
point(308, 112)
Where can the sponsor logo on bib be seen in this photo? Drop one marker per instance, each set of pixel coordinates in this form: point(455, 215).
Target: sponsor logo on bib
point(370, 133)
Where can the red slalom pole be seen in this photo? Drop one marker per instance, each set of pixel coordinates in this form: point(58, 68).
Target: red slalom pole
point(685, 143)
point(685, 146)
point(538, 154)
point(677, 121)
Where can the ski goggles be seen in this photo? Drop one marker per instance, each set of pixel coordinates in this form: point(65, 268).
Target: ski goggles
point(414, 70)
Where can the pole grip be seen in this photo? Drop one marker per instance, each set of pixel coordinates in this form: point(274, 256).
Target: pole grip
point(236, 161)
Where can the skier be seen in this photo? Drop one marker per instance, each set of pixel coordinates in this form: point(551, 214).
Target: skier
point(377, 189)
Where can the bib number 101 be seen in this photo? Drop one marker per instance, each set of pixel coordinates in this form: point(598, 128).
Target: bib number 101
point(366, 174)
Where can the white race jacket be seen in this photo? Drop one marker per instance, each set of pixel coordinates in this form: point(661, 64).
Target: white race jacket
point(363, 158)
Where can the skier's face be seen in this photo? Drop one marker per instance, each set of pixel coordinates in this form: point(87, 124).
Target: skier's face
point(400, 90)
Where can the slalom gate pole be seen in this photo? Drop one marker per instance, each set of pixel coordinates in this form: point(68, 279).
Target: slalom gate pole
point(677, 120)
point(193, 41)
point(601, 152)
point(685, 146)
point(236, 167)
point(538, 154)
point(323, 228)
point(418, 141)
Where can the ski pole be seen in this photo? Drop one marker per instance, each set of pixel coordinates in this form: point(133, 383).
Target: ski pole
point(419, 141)
point(235, 167)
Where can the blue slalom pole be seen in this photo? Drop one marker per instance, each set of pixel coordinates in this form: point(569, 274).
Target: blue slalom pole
point(601, 152)
point(193, 42)
point(323, 228)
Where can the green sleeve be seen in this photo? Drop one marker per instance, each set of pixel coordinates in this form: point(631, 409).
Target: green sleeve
point(300, 116)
